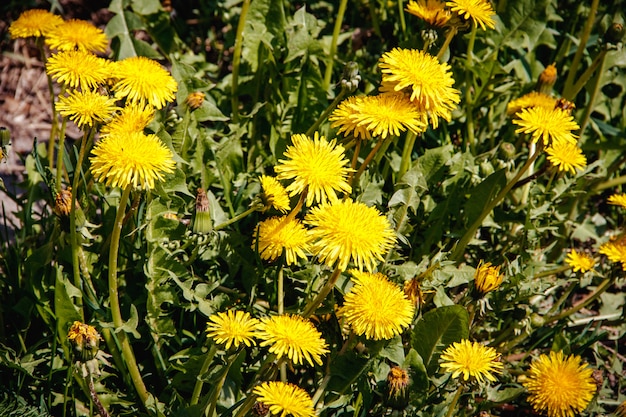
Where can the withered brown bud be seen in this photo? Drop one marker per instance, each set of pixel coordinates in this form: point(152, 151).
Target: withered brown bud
point(195, 99)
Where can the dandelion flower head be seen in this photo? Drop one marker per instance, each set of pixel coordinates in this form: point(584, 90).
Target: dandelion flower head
point(274, 194)
point(376, 307)
point(618, 200)
point(292, 336)
point(316, 166)
point(77, 34)
point(429, 82)
point(532, 99)
point(344, 117)
point(549, 125)
point(579, 261)
point(285, 399)
point(487, 278)
point(131, 118)
point(34, 22)
point(83, 334)
point(615, 250)
point(131, 159)
point(566, 156)
point(472, 360)
point(349, 231)
point(144, 81)
point(433, 12)
point(232, 328)
point(281, 234)
point(559, 385)
point(78, 68)
point(85, 108)
point(479, 11)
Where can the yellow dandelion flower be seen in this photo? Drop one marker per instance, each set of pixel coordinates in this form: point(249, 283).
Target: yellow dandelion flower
point(615, 250)
point(285, 399)
point(620, 411)
point(479, 11)
point(131, 118)
point(317, 167)
point(487, 278)
point(77, 34)
point(343, 117)
point(143, 80)
point(349, 230)
point(85, 340)
point(281, 234)
point(532, 99)
point(34, 22)
point(232, 328)
point(580, 262)
point(78, 68)
point(549, 125)
point(274, 194)
point(194, 100)
point(131, 159)
point(471, 359)
point(376, 307)
point(292, 336)
point(85, 108)
point(559, 385)
point(566, 156)
point(433, 12)
point(618, 200)
point(428, 81)
point(388, 114)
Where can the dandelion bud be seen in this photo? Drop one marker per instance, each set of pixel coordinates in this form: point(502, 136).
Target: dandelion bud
point(547, 79)
point(615, 33)
point(413, 292)
point(63, 203)
point(396, 391)
point(85, 339)
point(195, 99)
point(507, 151)
point(487, 278)
point(5, 136)
point(260, 409)
point(429, 36)
point(202, 222)
point(350, 78)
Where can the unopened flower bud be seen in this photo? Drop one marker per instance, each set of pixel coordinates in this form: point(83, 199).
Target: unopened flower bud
point(85, 340)
point(350, 78)
point(195, 99)
point(615, 33)
point(63, 203)
point(413, 291)
point(547, 79)
point(507, 151)
point(202, 222)
point(396, 391)
point(487, 278)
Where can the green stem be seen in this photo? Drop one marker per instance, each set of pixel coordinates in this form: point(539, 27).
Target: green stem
point(114, 302)
point(324, 115)
point(237, 59)
point(582, 45)
point(610, 183)
point(374, 17)
point(598, 61)
point(401, 14)
point(236, 218)
point(594, 91)
point(369, 158)
point(405, 163)
point(457, 254)
point(218, 387)
point(454, 402)
point(333, 43)
point(449, 36)
point(60, 155)
point(604, 285)
point(326, 289)
point(469, 104)
point(197, 389)
point(552, 272)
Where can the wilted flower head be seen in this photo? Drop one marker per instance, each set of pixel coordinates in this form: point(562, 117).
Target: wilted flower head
point(428, 81)
point(202, 221)
point(77, 34)
point(376, 307)
point(349, 231)
point(479, 11)
point(547, 79)
point(285, 399)
point(487, 278)
point(78, 69)
point(559, 385)
point(142, 80)
point(194, 100)
point(133, 159)
point(397, 388)
point(63, 202)
point(232, 328)
point(85, 340)
point(292, 336)
point(579, 261)
point(472, 360)
point(433, 12)
point(34, 22)
point(279, 235)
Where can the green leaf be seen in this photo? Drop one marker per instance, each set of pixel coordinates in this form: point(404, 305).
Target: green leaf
point(436, 330)
point(265, 25)
point(482, 194)
point(65, 308)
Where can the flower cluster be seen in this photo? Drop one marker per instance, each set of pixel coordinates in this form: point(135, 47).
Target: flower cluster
point(437, 13)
